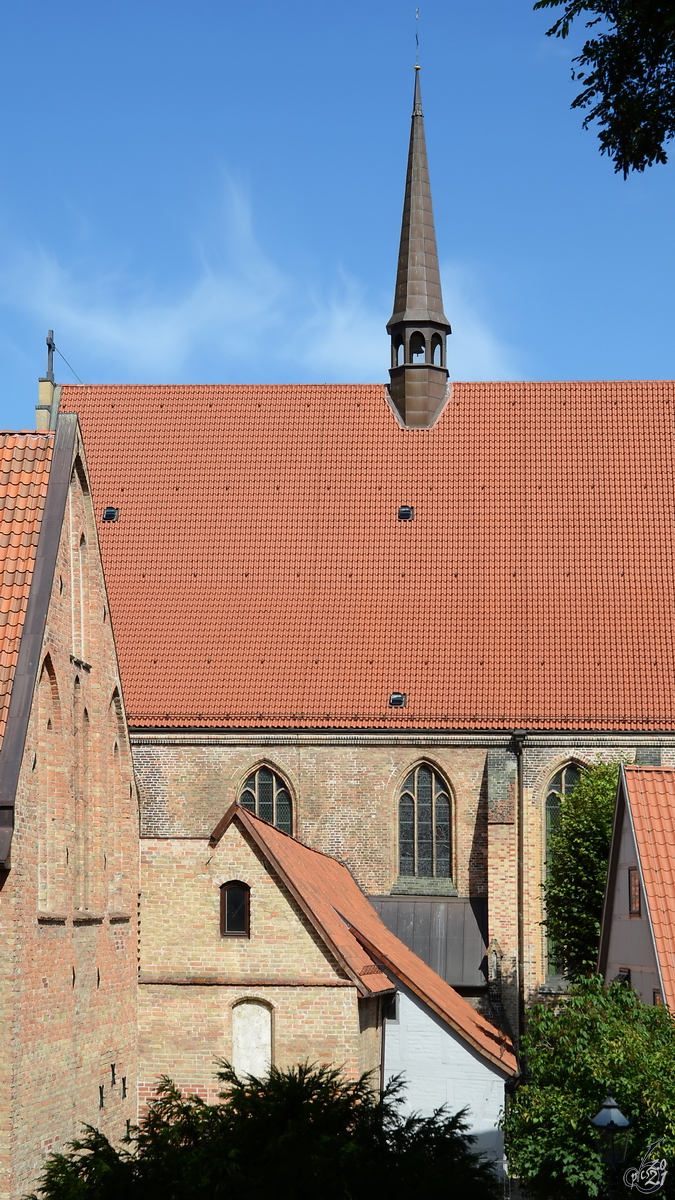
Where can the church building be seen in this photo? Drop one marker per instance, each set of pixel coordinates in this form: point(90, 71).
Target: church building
point(392, 620)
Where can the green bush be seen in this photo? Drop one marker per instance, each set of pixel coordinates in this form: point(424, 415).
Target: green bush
point(304, 1133)
point(599, 1038)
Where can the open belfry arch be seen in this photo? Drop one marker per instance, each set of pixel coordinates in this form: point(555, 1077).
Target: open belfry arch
point(418, 326)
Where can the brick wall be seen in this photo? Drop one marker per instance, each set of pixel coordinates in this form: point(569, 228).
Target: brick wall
point(191, 976)
point(345, 799)
point(68, 905)
point(346, 804)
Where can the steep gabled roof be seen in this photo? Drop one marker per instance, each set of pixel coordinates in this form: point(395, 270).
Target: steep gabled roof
point(25, 461)
point(650, 794)
point(259, 577)
point(346, 921)
point(34, 479)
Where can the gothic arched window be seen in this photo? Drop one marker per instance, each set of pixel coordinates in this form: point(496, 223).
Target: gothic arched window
point(424, 825)
point(560, 786)
point(266, 795)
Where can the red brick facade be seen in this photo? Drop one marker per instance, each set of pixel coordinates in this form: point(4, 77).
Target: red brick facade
point(68, 903)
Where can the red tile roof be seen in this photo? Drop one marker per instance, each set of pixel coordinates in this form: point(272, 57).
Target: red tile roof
point(334, 903)
point(25, 460)
point(651, 796)
point(258, 575)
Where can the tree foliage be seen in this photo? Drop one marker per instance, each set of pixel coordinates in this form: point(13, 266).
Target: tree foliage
point(300, 1133)
point(599, 1038)
point(577, 856)
point(627, 69)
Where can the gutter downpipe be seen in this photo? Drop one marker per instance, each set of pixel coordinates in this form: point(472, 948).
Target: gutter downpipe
point(518, 743)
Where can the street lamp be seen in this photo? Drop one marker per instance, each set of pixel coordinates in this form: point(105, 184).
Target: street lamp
point(611, 1123)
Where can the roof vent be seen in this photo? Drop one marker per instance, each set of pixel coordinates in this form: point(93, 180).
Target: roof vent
point(111, 514)
point(398, 700)
point(406, 513)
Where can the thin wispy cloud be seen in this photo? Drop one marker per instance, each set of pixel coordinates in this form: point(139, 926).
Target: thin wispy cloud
point(475, 351)
point(241, 316)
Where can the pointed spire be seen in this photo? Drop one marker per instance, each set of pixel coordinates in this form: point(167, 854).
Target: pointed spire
point(418, 281)
point(418, 325)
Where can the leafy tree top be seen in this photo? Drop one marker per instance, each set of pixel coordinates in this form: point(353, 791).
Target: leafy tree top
point(599, 1038)
point(577, 856)
point(627, 72)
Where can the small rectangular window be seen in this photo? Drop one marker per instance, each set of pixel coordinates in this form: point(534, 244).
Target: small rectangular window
point(634, 892)
point(234, 909)
point(391, 1008)
point(658, 998)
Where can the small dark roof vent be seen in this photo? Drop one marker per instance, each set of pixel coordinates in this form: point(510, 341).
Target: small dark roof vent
point(398, 700)
point(406, 513)
point(111, 514)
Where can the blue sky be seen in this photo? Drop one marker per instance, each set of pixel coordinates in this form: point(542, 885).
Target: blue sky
point(204, 191)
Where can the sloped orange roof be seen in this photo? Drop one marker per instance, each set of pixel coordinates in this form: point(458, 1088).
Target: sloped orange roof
point(25, 460)
point(342, 915)
point(259, 577)
point(651, 796)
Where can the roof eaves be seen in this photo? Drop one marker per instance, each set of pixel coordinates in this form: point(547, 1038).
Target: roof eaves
point(619, 810)
point(497, 1058)
point(666, 992)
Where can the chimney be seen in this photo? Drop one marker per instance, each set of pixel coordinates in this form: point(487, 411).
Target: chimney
point(43, 411)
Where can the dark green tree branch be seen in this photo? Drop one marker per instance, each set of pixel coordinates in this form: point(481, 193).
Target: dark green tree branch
point(627, 72)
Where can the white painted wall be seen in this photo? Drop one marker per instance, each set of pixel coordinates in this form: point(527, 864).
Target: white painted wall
point(630, 939)
point(251, 1038)
point(441, 1068)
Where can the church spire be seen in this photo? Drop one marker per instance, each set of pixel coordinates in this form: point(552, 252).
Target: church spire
point(418, 326)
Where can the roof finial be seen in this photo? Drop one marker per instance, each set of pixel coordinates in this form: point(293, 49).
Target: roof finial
point(417, 39)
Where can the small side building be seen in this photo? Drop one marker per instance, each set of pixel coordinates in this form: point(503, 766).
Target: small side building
point(259, 950)
point(68, 818)
point(638, 925)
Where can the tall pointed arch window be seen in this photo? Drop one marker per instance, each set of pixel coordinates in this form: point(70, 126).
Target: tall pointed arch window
point(267, 795)
point(560, 786)
point(424, 825)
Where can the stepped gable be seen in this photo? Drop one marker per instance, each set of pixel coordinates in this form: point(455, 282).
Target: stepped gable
point(259, 575)
point(25, 461)
point(343, 916)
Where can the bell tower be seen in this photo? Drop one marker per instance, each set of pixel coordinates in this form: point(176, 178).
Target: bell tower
point(418, 327)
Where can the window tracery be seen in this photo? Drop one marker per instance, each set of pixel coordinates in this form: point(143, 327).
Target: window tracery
point(424, 825)
point(267, 795)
